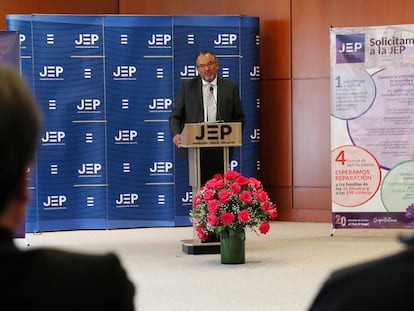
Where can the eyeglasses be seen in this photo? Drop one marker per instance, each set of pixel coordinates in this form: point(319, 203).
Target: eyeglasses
point(209, 64)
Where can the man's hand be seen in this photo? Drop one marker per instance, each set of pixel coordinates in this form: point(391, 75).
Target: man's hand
point(177, 140)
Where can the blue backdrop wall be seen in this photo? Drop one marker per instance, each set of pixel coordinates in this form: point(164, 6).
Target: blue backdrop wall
point(106, 85)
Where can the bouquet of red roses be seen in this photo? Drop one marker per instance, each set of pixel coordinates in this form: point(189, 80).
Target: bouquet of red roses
point(231, 201)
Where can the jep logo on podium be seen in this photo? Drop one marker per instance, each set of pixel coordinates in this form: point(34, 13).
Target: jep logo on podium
point(211, 134)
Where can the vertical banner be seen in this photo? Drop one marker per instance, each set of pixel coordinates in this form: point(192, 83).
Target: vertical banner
point(250, 94)
point(10, 55)
point(372, 126)
point(71, 162)
point(139, 93)
point(106, 85)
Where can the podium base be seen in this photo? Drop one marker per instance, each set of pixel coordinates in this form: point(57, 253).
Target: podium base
point(193, 247)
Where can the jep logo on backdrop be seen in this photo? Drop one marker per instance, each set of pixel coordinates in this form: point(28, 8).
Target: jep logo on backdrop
point(190, 71)
point(53, 138)
point(162, 40)
point(350, 48)
point(87, 40)
point(226, 40)
point(127, 200)
point(55, 202)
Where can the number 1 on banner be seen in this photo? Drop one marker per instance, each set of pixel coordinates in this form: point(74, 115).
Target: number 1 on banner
point(341, 157)
point(338, 79)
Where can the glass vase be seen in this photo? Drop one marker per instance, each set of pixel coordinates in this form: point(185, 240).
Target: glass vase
point(232, 246)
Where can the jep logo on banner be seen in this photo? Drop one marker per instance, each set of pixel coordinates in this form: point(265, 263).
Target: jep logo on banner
point(55, 202)
point(50, 72)
point(190, 71)
point(127, 200)
point(160, 41)
point(90, 170)
point(87, 40)
point(161, 104)
point(225, 40)
point(89, 105)
point(161, 168)
point(350, 48)
point(124, 72)
point(53, 138)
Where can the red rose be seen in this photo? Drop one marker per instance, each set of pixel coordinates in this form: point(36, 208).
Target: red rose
point(227, 218)
point(242, 180)
point(246, 197)
point(266, 206)
point(231, 175)
point(202, 233)
point(224, 196)
point(212, 219)
point(264, 227)
point(254, 183)
point(272, 213)
point(209, 195)
point(235, 188)
point(261, 195)
point(218, 176)
point(210, 183)
point(196, 200)
point(213, 206)
point(219, 184)
point(244, 215)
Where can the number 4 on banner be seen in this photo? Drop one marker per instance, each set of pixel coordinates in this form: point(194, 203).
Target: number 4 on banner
point(341, 157)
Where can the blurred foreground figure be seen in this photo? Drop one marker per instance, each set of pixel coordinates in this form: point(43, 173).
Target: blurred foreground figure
point(381, 284)
point(43, 279)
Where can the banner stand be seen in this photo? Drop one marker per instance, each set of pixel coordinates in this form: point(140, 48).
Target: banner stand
point(372, 127)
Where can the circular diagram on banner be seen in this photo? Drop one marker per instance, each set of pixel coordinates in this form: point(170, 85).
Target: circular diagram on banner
point(387, 128)
point(353, 92)
point(397, 191)
point(355, 177)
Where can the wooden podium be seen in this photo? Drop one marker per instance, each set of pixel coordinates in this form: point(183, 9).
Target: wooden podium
point(194, 137)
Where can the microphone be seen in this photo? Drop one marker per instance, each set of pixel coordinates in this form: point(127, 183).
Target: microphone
point(219, 118)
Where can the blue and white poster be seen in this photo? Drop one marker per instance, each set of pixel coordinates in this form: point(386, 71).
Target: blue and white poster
point(139, 67)
point(106, 85)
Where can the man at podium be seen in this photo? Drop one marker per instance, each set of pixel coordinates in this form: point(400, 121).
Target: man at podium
point(206, 98)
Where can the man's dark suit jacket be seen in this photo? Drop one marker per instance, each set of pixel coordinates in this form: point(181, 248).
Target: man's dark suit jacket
point(46, 279)
point(382, 284)
point(188, 105)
